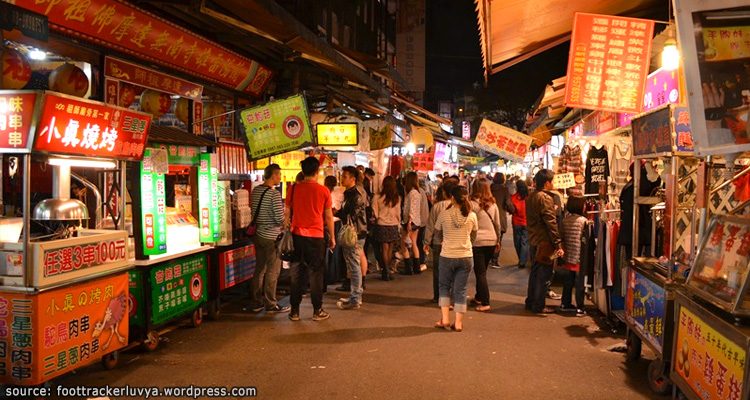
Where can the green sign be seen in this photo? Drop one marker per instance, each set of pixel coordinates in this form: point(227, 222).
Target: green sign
point(137, 299)
point(178, 287)
point(276, 127)
point(153, 204)
point(180, 154)
point(208, 202)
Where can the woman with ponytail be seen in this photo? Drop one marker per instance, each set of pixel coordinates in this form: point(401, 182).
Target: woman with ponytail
point(458, 226)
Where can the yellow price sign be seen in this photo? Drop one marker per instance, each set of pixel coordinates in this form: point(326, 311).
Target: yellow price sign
point(344, 134)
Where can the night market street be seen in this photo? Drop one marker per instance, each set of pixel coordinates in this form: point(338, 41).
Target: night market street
point(389, 349)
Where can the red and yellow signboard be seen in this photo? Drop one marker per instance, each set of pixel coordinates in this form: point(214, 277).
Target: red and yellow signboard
point(423, 161)
point(503, 141)
point(132, 73)
point(46, 335)
point(119, 25)
point(727, 43)
point(608, 63)
point(16, 116)
point(81, 127)
point(708, 361)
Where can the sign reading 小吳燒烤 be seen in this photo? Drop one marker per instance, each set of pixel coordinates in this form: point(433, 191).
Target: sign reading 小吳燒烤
point(608, 63)
point(502, 141)
point(276, 127)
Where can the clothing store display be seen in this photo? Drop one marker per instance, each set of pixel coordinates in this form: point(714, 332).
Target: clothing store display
point(571, 160)
point(597, 169)
point(620, 164)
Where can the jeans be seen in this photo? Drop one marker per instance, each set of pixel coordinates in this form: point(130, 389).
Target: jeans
point(572, 279)
point(482, 258)
point(311, 255)
point(454, 273)
point(521, 243)
point(436, 249)
point(537, 291)
point(267, 269)
point(352, 260)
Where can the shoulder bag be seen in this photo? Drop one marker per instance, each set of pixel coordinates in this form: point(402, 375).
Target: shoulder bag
point(286, 243)
point(252, 229)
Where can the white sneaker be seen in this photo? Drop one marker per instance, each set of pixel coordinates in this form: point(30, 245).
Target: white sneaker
point(552, 295)
point(423, 267)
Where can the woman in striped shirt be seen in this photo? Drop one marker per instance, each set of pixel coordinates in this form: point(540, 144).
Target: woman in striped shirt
point(458, 225)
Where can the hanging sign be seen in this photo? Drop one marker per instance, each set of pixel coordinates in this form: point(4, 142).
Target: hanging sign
point(423, 161)
point(380, 134)
point(662, 87)
point(133, 73)
point(599, 122)
point(178, 154)
point(502, 141)
point(29, 23)
point(608, 63)
point(208, 203)
point(466, 130)
point(652, 133)
point(153, 205)
point(126, 28)
point(682, 129)
point(564, 181)
point(276, 127)
point(87, 128)
point(16, 118)
point(343, 134)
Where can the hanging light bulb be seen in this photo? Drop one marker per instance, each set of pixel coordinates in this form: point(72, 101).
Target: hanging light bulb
point(670, 55)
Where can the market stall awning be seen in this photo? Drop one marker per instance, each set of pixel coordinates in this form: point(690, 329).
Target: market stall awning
point(512, 31)
point(172, 135)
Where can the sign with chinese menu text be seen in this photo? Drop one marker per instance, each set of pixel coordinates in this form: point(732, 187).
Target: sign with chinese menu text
point(208, 202)
point(711, 364)
point(646, 308)
point(599, 122)
point(49, 334)
point(466, 130)
point(153, 206)
point(727, 43)
point(16, 118)
point(123, 27)
point(75, 126)
point(142, 76)
point(236, 266)
point(652, 133)
point(502, 141)
point(343, 134)
point(608, 63)
point(178, 287)
point(276, 127)
point(423, 161)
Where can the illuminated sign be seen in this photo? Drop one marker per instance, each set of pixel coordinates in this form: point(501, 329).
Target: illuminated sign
point(16, 117)
point(208, 202)
point(153, 206)
point(344, 134)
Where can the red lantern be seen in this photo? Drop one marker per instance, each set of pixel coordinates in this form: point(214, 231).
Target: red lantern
point(155, 103)
point(127, 94)
point(69, 79)
point(16, 69)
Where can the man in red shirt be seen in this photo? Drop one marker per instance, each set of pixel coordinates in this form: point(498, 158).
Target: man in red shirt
point(309, 204)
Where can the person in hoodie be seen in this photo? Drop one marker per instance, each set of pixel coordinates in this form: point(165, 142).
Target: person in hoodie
point(458, 227)
point(353, 212)
point(434, 242)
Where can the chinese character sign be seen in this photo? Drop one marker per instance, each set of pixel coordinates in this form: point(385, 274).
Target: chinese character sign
point(178, 287)
point(207, 199)
point(608, 63)
point(276, 127)
point(711, 364)
point(16, 114)
point(423, 161)
point(81, 127)
point(727, 43)
point(132, 73)
point(337, 134)
point(153, 207)
point(682, 129)
point(652, 133)
point(564, 181)
point(68, 259)
point(505, 142)
point(236, 266)
point(662, 87)
point(646, 308)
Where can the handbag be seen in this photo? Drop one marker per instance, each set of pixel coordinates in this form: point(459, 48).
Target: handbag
point(252, 229)
point(286, 243)
point(347, 236)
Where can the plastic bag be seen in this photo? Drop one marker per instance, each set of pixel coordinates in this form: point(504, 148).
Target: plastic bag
point(348, 235)
point(286, 247)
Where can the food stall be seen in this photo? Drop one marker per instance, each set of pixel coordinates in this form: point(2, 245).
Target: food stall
point(63, 298)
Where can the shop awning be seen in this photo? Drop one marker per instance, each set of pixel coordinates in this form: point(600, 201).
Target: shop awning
point(172, 135)
point(512, 31)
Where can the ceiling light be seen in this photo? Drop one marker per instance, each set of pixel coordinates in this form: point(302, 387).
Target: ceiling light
point(79, 162)
point(670, 55)
point(38, 55)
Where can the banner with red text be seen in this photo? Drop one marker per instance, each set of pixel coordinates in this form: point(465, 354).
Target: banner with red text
point(502, 141)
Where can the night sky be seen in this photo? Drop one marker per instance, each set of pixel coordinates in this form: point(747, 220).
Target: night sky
point(454, 60)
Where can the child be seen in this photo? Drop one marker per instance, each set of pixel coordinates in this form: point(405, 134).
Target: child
point(573, 226)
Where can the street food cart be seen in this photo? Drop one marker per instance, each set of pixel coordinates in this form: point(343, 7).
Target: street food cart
point(63, 293)
point(660, 136)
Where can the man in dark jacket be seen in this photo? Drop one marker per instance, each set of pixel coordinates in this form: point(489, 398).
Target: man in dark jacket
point(353, 212)
point(542, 224)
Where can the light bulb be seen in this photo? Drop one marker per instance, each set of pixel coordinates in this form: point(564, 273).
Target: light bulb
point(37, 55)
point(670, 55)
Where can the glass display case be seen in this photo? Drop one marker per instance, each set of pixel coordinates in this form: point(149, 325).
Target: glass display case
point(719, 274)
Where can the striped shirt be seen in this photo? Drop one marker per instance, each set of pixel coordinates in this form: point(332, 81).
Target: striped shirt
point(269, 216)
point(457, 233)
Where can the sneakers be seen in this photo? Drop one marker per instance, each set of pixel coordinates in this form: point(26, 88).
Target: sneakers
point(493, 266)
point(321, 315)
point(256, 309)
point(278, 309)
point(294, 316)
point(423, 267)
point(580, 312)
point(346, 304)
point(552, 295)
point(567, 309)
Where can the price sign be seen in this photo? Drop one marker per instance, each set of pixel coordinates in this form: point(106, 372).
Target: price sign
point(564, 181)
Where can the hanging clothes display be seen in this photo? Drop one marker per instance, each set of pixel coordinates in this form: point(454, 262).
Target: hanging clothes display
point(571, 160)
point(597, 169)
point(620, 164)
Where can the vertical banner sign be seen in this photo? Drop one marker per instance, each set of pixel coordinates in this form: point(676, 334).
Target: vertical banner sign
point(682, 129)
point(276, 127)
point(207, 202)
point(646, 308)
point(16, 114)
point(608, 63)
point(502, 141)
point(153, 206)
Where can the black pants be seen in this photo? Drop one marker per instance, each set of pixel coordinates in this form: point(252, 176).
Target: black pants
point(537, 291)
point(482, 258)
point(436, 249)
point(420, 240)
point(572, 279)
point(309, 268)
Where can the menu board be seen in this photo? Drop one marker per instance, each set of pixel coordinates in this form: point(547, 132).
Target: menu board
point(715, 41)
point(608, 62)
point(343, 134)
point(502, 141)
point(16, 118)
point(276, 127)
point(208, 202)
point(153, 204)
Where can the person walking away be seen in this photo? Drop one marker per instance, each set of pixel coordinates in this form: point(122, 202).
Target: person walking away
point(520, 233)
point(542, 225)
point(387, 210)
point(309, 204)
point(434, 241)
point(269, 217)
point(458, 227)
point(499, 191)
point(424, 210)
point(353, 213)
point(487, 241)
point(573, 226)
point(413, 220)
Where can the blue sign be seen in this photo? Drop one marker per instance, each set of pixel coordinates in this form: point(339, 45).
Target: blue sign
point(646, 308)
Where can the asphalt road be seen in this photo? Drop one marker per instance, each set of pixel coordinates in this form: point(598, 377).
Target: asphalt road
point(389, 349)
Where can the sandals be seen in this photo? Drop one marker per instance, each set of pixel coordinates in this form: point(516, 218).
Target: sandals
point(441, 325)
point(453, 328)
point(482, 308)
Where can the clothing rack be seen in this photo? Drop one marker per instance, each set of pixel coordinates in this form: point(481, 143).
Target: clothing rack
point(604, 212)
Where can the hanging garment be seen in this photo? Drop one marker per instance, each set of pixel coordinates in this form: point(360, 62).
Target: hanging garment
point(597, 169)
point(608, 255)
point(571, 160)
point(612, 250)
point(620, 165)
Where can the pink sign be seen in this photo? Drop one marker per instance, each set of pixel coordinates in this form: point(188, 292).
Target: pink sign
point(624, 119)
point(662, 87)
